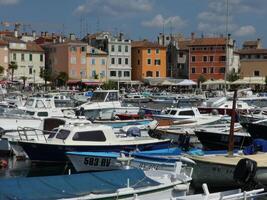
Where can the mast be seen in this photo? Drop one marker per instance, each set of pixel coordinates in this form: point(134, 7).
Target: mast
point(226, 44)
point(232, 126)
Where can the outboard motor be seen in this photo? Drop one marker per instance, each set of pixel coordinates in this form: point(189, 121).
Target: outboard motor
point(245, 172)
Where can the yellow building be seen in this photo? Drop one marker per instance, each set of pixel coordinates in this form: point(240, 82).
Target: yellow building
point(148, 60)
point(96, 68)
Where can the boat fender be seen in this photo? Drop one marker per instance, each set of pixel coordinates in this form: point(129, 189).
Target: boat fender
point(245, 171)
point(181, 187)
point(215, 112)
point(3, 163)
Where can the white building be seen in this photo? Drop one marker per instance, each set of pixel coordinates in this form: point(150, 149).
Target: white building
point(29, 58)
point(119, 59)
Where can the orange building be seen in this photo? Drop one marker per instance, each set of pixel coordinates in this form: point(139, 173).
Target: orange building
point(207, 57)
point(148, 60)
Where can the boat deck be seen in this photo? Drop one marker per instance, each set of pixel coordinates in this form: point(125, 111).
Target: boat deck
point(260, 158)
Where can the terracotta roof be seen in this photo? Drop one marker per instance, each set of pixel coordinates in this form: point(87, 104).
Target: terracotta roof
point(146, 44)
point(33, 47)
point(252, 51)
point(208, 41)
point(184, 44)
point(3, 43)
point(250, 43)
point(12, 39)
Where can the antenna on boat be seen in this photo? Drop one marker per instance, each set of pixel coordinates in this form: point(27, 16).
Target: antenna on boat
point(232, 126)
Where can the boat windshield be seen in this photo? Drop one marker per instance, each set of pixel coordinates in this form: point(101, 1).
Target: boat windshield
point(98, 97)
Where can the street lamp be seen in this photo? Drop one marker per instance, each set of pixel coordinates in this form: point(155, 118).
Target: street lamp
point(34, 80)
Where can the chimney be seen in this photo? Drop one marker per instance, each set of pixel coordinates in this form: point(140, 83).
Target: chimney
point(53, 35)
point(60, 39)
point(46, 33)
point(42, 34)
point(120, 36)
point(192, 36)
point(16, 33)
point(72, 36)
point(34, 34)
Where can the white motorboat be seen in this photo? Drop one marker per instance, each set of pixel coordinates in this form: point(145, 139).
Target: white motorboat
point(135, 98)
point(105, 104)
point(85, 138)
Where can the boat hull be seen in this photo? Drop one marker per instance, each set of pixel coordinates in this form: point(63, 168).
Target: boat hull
point(218, 141)
point(257, 131)
point(56, 153)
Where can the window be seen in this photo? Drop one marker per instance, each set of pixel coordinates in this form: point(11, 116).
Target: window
point(94, 136)
point(211, 58)
point(112, 48)
point(119, 61)
point(42, 114)
point(222, 70)
point(73, 49)
point(126, 48)
point(204, 70)
point(41, 57)
point(93, 61)
point(157, 51)
point(138, 62)
point(173, 112)
point(126, 61)
point(83, 60)
point(30, 70)
point(157, 73)
point(119, 74)
point(193, 58)
point(204, 58)
point(157, 62)
point(112, 96)
point(73, 60)
point(149, 74)
point(103, 62)
point(257, 73)
point(14, 56)
point(113, 73)
point(193, 70)
point(112, 61)
point(223, 58)
point(149, 51)
point(181, 55)
point(126, 74)
point(211, 70)
point(39, 104)
point(93, 74)
point(187, 112)
point(119, 48)
point(149, 61)
point(63, 134)
point(22, 57)
point(102, 74)
point(138, 51)
point(83, 49)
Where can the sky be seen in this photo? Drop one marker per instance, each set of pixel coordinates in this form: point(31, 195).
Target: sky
point(141, 19)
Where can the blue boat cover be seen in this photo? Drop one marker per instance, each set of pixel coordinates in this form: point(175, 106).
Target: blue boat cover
point(161, 152)
point(71, 186)
point(257, 145)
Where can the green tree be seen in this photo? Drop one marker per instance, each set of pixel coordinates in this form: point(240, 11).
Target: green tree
point(62, 78)
point(232, 76)
point(46, 74)
point(96, 76)
point(23, 78)
point(109, 85)
point(201, 79)
point(12, 66)
point(2, 69)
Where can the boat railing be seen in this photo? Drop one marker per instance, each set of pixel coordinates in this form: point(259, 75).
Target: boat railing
point(38, 133)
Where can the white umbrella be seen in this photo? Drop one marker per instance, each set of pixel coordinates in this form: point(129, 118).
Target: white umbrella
point(187, 82)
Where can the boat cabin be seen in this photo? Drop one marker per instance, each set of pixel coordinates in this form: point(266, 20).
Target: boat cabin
point(105, 96)
point(181, 111)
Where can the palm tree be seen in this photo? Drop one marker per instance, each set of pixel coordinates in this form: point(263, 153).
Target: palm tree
point(12, 66)
point(23, 78)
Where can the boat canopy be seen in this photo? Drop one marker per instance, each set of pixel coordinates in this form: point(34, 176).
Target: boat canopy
point(71, 186)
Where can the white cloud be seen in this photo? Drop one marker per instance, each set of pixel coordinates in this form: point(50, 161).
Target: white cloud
point(114, 7)
point(213, 20)
point(245, 31)
point(9, 2)
point(158, 21)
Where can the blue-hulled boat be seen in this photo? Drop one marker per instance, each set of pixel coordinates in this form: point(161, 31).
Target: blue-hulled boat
point(84, 138)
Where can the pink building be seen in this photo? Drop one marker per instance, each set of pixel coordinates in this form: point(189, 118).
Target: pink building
point(4, 55)
point(69, 56)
